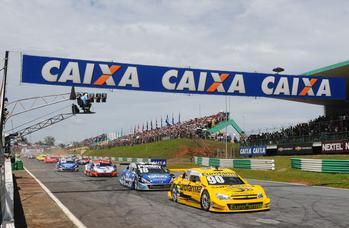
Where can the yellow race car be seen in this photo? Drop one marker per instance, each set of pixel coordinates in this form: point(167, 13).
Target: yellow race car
point(41, 157)
point(217, 190)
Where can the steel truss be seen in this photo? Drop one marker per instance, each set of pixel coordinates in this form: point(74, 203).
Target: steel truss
point(43, 124)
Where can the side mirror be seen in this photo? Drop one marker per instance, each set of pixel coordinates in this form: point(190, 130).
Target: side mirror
point(172, 175)
point(183, 175)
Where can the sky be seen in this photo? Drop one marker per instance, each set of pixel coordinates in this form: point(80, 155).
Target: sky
point(247, 35)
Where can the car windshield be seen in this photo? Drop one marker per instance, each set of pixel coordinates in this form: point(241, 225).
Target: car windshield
point(103, 164)
point(224, 180)
point(68, 161)
point(151, 169)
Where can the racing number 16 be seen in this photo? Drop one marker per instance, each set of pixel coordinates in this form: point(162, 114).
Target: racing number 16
point(215, 179)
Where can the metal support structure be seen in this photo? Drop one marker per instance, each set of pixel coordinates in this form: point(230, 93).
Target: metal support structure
point(28, 104)
point(43, 124)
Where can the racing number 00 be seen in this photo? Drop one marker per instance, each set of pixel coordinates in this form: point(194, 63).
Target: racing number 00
point(215, 179)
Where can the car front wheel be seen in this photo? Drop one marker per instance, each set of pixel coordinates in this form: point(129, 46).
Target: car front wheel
point(205, 201)
point(174, 193)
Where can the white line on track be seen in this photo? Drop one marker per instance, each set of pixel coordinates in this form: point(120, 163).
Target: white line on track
point(66, 211)
point(290, 183)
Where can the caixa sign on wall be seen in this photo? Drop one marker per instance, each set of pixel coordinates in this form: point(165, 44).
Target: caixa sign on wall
point(253, 150)
point(111, 75)
point(339, 146)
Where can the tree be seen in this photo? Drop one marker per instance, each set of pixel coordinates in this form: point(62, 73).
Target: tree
point(49, 141)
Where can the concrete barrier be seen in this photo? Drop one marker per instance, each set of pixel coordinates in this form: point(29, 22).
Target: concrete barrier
point(321, 165)
point(7, 195)
point(255, 164)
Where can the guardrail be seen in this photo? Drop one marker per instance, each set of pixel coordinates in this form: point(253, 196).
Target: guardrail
point(7, 195)
point(255, 164)
point(321, 165)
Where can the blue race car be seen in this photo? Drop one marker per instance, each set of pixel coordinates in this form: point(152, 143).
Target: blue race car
point(67, 164)
point(146, 176)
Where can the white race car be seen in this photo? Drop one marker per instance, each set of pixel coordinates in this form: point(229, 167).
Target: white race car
point(98, 168)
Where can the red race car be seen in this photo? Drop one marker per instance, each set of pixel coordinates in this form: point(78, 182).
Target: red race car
point(51, 159)
point(100, 168)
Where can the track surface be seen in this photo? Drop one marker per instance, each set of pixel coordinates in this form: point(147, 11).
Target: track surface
point(103, 202)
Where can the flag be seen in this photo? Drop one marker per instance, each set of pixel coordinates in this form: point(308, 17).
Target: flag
point(172, 119)
point(167, 121)
point(161, 122)
point(151, 124)
point(142, 127)
point(156, 123)
point(179, 117)
point(147, 126)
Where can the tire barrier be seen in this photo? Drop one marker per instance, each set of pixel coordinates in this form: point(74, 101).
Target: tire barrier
point(320, 165)
point(255, 164)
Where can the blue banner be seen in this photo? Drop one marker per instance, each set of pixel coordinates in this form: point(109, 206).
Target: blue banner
point(253, 150)
point(111, 75)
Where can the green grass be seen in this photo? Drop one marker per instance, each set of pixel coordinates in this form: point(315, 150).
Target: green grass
point(162, 149)
point(166, 149)
point(285, 173)
point(179, 153)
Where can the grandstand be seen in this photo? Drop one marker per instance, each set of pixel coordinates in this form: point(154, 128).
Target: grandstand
point(197, 127)
point(323, 128)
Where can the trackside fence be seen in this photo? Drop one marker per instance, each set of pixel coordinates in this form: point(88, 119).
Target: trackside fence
point(256, 164)
point(321, 165)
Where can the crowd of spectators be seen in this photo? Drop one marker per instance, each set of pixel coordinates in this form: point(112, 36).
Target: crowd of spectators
point(192, 128)
point(317, 129)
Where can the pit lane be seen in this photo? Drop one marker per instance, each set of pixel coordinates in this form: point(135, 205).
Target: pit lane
point(103, 202)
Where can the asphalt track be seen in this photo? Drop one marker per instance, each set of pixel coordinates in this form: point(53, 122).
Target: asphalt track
point(103, 202)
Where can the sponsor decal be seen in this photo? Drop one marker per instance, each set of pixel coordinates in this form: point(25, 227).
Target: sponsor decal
point(219, 173)
point(340, 146)
point(110, 75)
point(190, 188)
point(161, 162)
point(296, 149)
point(253, 150)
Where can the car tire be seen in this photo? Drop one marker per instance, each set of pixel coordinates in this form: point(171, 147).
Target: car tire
point(136, 185)
point(205, 201)
point(174, 193)
point(133, 185)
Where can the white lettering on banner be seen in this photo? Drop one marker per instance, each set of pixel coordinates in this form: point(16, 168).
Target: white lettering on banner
point(265, 85)
point(202, 81)
point(282, 87)
point(72, 72)
point(271, 87)
point(187, 81)
point(46, 70)
point(332, 147)
point(324, 88)
point(295, 86)
point(237, 85)
point(166, 79)
point(88, 73)
point(170, 81)
point(130, 77)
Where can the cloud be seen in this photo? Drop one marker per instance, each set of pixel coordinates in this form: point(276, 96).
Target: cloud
point(225, 35)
